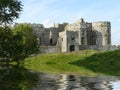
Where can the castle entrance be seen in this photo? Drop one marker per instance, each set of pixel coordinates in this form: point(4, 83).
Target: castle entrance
point(51, 41)
point(72, 48)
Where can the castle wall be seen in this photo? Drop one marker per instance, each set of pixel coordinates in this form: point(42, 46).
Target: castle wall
point(38, 29)
point(79, 35)
point(44, 38)
point(91, 37)
point(49, 49)
point(68, 41)
point(72, 41)
point(82, 28)
point(63, 41)
point(85, 34)
point(56, 49)
point(54, 35)
point(103, 32)
point(60, 27)
point(100, 48)
point(73, 27)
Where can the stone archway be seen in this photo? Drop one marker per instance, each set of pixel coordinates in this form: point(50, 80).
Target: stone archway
point(72, 48)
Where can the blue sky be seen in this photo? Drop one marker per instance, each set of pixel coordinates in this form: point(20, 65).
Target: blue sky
point(49, 11)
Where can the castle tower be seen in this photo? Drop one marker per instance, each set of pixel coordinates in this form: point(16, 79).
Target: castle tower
point(68, 41)
point(103, 33)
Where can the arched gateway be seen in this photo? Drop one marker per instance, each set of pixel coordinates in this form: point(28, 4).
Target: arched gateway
point(72, 48)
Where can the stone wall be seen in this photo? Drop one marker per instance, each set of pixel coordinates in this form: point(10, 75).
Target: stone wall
point(62, 43)
point(100, 48)
point(56, 49)
point(72, 41)
point(103, 32)
point(38, 28)
point(49, 49)
point(79, 35)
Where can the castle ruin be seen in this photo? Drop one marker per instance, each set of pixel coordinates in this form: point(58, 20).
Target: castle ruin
point(79, 35)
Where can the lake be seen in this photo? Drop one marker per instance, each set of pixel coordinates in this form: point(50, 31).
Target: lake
point(23, 79)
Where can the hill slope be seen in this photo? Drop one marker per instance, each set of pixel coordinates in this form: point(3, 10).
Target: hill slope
point(86, 62)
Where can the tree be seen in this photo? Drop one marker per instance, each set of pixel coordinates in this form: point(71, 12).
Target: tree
point(11, 48)
point(17, 43)
point(9, 10)
point(5, 38)
point(29, 39)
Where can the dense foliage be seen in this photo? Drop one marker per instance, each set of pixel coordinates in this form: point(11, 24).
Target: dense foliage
point(29, 40)
point(10, 46)
point(9, 10)
point(17, 43)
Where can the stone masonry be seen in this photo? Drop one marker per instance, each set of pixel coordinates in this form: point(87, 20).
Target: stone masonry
point(79, 35)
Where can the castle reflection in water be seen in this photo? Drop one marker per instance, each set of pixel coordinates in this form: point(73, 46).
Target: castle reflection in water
point(73, 82)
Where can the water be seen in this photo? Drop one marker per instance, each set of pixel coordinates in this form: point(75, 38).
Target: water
point(22, 79)
point(75, 82)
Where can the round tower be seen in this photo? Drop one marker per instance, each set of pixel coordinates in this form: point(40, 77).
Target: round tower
point(103, 32)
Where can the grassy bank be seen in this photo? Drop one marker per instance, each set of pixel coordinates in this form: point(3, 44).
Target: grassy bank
point(82, 63)
point(105, 62)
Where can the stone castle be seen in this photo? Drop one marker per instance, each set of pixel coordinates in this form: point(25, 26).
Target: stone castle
point(77, 36)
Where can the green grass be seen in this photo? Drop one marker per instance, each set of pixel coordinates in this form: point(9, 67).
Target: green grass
point(59, 63)
point(105, 62)
point(87, 62)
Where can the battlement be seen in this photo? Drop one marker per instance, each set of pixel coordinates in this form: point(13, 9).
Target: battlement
point(58, 25)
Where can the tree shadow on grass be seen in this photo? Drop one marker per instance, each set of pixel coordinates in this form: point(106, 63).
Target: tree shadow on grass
point(105, 63)
point(17, 79)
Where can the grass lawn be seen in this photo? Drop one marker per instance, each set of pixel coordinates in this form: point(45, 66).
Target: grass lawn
point(88, 62)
